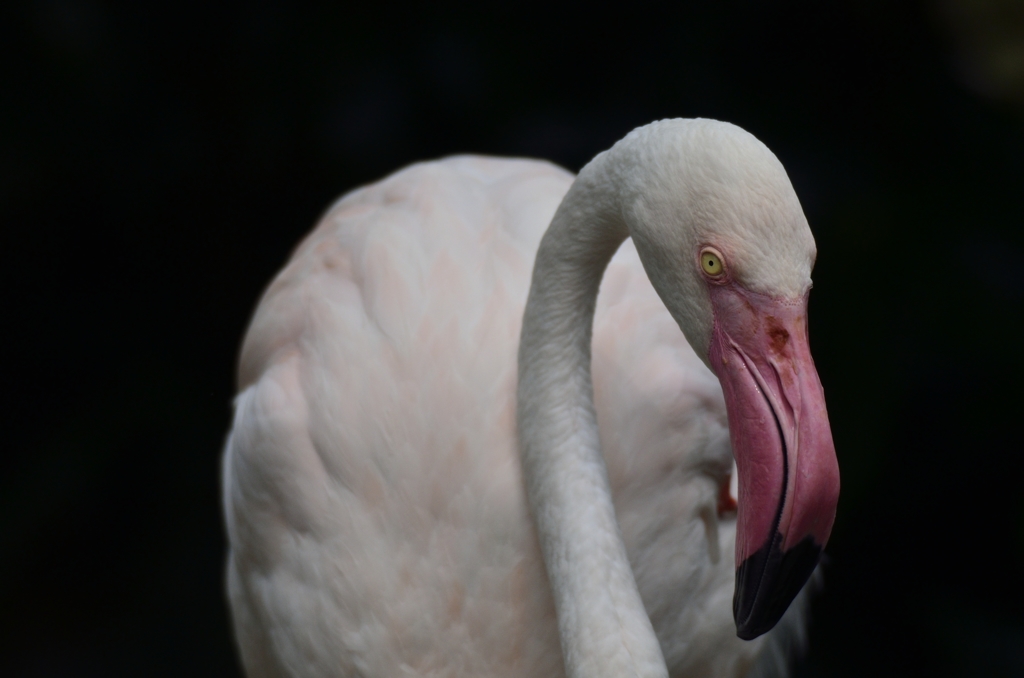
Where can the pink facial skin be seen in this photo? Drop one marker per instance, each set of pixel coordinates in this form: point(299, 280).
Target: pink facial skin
point(788, 475)
point(785, 457)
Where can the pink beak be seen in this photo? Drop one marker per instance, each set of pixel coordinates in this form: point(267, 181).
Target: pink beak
point(785, 458)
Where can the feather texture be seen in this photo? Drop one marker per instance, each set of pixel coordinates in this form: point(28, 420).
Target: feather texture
point(372, 484)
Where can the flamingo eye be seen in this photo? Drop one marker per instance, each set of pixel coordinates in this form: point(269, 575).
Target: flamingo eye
point(711, 262)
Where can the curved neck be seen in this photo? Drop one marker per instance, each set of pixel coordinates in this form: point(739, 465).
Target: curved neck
point(604, 628)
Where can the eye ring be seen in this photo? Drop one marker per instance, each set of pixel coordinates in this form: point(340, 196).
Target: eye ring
point(712, 263)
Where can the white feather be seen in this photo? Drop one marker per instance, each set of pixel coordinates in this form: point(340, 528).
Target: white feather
point(373, 488)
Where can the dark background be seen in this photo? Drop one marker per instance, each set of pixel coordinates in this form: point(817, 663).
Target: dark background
point(159, 160)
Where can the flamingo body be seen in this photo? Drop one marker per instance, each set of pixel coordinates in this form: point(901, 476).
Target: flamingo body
point(373, 490)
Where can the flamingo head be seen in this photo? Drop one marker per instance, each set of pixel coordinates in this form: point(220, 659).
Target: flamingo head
point(726, 244)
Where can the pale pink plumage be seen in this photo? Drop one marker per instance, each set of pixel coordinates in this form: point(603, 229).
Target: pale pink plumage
point(373, 492)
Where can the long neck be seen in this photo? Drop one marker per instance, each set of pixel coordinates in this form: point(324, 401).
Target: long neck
point(604, 628)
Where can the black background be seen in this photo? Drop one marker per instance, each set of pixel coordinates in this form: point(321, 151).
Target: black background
point(158, 161)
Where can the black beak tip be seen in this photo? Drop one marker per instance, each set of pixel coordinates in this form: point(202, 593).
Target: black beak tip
point(768, 581)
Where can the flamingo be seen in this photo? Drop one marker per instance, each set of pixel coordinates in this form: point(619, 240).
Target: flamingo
point(440, 465)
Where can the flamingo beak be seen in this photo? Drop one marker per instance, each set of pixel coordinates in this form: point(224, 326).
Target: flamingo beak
point(782, 442)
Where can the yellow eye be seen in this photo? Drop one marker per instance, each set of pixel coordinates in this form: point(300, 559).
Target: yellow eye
point(711, 263)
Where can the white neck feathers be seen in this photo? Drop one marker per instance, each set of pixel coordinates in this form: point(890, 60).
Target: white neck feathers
point(605, 630)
